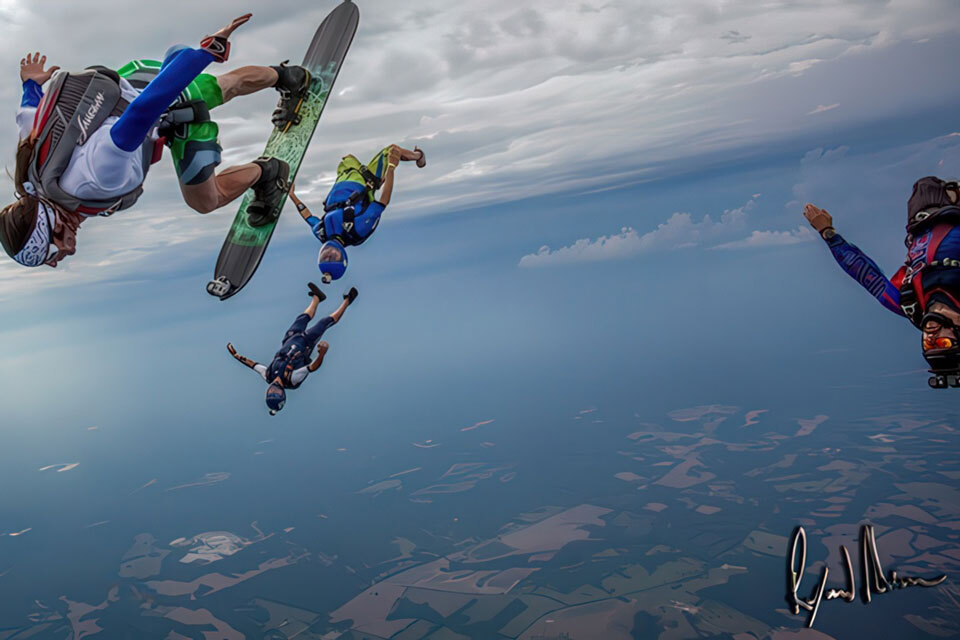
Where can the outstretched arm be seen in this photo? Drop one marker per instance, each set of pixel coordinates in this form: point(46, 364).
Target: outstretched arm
point(853, 261)
point(386, 190)
point(321, 352)
point(865, 271)
point(33, 76)
point(130, 130)
point(239, 358)
point(302, 209)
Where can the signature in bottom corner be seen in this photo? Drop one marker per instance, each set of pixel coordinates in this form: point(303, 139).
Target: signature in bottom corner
point(873, 579)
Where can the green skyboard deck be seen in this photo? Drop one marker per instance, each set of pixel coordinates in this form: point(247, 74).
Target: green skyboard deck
point(245, 245)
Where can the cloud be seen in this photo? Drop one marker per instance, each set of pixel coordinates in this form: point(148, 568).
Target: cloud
point(680, 231)
point(821, 108)
point(509, 101)
point(840, 178)
point(771, 239)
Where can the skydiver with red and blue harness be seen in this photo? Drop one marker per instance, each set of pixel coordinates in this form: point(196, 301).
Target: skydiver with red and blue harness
point(926, 289)
point(352, 209)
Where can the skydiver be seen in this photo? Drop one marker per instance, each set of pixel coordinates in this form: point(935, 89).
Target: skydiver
point(926, 289)
point(105, 170)
point(352, 210)
point(291, 364)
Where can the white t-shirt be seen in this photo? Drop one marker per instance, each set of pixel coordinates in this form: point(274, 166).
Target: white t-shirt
point(296, 376)
point(98, 169)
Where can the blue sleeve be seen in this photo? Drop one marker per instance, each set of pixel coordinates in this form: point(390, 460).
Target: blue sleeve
point(374, 209)
point(32, 93)
point(367, 221)
point(316, 226)
point(132, 128)
point(866, 272)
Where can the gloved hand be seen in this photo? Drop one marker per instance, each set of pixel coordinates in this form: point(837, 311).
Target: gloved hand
point(218, 44)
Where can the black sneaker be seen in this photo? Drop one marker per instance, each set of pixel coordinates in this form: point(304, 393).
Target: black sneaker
point(293, 83)
point(314, 291)
point(268, 191)
point(351, 295)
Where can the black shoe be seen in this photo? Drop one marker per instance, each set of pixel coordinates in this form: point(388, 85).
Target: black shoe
point(351, 295)
point(268, 191)
point(315, 292)
point(293, 83)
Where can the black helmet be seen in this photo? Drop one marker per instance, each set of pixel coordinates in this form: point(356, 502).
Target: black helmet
point(931, 198)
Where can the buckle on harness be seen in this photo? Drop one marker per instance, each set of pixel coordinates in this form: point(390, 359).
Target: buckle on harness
point(370, 177)
point(112, 209)
point(349, 203)
point(174, 120)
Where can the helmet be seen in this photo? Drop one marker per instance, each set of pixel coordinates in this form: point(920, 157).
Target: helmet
point(332, 261)
point(932, 199)
point(276, 397)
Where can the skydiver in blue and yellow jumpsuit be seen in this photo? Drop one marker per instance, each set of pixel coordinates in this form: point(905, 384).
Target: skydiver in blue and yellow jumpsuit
point(352, 209)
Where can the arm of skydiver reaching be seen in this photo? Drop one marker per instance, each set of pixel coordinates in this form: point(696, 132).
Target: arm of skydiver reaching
point(855, 262)
point(302, 209)
point(33, 76)
point(316, 225)
point(247, 362)
point(130, 130)
point(386, 190)
point(322, 349)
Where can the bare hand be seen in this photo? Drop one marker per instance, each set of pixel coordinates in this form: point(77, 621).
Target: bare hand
point(230, 28)
point(292, 194)
point(232, 351)
point(31, 68)
point(818, 218)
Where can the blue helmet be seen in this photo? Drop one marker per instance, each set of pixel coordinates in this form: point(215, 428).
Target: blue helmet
point(276, 397)
point(332, 261)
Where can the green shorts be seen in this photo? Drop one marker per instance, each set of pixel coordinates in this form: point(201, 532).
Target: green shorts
point(195, 147)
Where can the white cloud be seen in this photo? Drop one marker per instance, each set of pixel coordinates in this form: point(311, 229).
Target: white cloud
point(509, 101)
point(823, 107)
point(680, 231)
point(771, 239)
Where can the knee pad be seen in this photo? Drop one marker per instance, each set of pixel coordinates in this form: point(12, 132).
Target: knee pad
point(200, 159)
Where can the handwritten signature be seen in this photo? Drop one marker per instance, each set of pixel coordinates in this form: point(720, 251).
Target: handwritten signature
point(873, 578)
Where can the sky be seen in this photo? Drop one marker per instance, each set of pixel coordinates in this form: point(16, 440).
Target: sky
point(584, 147)
point(610, 216)
point(515, 102)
